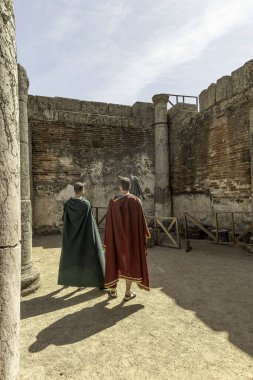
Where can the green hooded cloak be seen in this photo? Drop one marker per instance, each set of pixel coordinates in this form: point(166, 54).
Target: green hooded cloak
point(82, 262)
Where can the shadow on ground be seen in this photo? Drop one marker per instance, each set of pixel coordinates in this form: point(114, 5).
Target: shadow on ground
point(216, 282)
point(82, 324)
point(49, 303)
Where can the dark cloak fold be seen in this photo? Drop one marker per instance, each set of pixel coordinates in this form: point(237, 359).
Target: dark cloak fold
point(82, 262)
point(125, 242)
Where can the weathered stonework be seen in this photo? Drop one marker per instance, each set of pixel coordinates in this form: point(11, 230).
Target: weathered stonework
point(227, 87)
point(29, 274)
point(9, 198)
point(71, 138)
point(202, 162)
point(207, 97)
point(224, 89)
point(210, 152)
point(242, 78)
point(162, 186)
point(251, 154)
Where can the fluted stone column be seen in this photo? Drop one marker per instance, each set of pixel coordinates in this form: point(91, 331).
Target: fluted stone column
point(9, 198)
point(30, 277)
point(162, 193)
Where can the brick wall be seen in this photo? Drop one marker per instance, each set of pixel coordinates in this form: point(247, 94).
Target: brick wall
point(210, 157)
point(210, 152)
point(71, 138)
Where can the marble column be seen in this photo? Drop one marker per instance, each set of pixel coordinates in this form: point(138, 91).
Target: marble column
point(10, 233)
point(30, 277)
point(162, 193)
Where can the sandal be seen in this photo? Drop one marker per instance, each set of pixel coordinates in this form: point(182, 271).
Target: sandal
point(129, 296)
point(113, 293)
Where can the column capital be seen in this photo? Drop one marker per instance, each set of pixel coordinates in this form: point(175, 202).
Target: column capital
point(160, 98)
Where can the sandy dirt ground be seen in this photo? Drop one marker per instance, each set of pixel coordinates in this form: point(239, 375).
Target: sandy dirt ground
point(196, 323)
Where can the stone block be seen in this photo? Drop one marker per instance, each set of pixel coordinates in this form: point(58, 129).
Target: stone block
point(119, 110)
point(224, 88)
point(67, 104)
point(50, 115)
point(94, 107)
point(81, 118)
point(67, 117)
point(185, 110)
point(207, 97)
point(238, 80)
point(144, 111)
point(242, 78)
point(249, 73)
point(45, 103)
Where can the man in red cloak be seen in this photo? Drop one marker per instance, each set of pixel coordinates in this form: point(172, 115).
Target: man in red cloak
point(125, 245)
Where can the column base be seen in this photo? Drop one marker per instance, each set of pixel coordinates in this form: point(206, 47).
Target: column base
point(30, 279)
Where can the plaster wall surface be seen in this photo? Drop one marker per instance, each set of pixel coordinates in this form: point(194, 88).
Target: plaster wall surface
point(91, 140)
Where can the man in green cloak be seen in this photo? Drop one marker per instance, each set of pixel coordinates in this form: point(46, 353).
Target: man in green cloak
point(82, 262)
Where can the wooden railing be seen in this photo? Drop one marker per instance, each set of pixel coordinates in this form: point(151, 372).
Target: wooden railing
point(162, 229)
point(215, 238)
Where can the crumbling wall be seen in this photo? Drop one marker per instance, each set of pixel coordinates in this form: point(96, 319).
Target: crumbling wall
point(71, 138)
point(210, 150)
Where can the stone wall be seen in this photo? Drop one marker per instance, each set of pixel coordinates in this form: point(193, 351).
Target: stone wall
point(210, 151)
point(99, 141)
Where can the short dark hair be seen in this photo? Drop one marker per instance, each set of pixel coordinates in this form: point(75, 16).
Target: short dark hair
point(124, 182)
point(78, 187)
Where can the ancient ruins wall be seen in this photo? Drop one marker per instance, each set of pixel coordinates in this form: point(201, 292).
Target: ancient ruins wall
point(210, 151)
point(99, 140)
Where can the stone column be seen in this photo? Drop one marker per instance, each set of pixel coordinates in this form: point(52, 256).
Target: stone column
point(9, 198)
point(30, 277)
point(162, 193)
point(251, 154)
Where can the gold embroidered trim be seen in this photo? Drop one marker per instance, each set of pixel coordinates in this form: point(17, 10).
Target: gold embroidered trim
point(137, 280)
point(110, 284)
point(130, 278)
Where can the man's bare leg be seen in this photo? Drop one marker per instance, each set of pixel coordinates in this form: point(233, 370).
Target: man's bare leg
point(129, 294)
point(128, 287)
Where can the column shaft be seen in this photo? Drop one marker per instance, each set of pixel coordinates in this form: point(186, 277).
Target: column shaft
point(30, 278)
point(9, 198)
point(162, 193)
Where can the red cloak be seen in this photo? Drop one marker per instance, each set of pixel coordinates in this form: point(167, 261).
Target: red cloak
point(126, 232)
